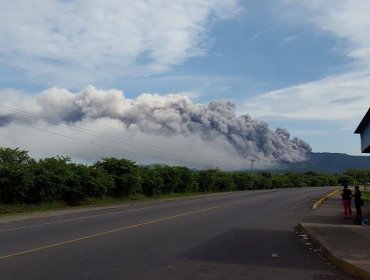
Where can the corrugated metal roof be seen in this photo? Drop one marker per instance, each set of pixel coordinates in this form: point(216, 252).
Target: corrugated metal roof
point(365, 122)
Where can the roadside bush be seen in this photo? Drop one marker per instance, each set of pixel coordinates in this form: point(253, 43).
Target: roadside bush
point(15, 175)
point(225, 182)
point(279, 182)
point(53, 180)
point(125, 174)
point(242, 181)
point(56, 179)
point(100, 183)
point(207, 179)
point(345, 180)
point(87, 182)
point(187, 181)
point(151, 181)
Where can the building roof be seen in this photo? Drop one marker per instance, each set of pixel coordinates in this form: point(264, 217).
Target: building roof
point(365, 122)
point(367, 150)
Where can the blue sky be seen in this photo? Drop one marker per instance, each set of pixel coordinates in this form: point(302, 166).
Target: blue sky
point(302, 66)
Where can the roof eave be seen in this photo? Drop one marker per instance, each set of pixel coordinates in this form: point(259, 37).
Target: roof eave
point(365, 121)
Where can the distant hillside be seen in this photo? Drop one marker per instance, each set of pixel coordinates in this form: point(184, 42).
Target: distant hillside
point(330, 163)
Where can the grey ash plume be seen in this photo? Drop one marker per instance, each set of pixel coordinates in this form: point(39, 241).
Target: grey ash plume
point(160, 119)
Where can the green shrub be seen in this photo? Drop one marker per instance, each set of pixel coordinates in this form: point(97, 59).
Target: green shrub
point(125, 174)
point(15, 175)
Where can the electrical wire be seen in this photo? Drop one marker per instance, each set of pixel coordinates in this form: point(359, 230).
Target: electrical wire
point(100, 145)
point(106, 137)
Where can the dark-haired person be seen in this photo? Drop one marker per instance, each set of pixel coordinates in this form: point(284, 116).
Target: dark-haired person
point(358, 205)
point(346, 200)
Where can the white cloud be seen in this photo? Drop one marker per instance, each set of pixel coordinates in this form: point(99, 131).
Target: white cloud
point(77, 42)
point(339, 97)
point(194, 95)
point(334, 98)
point(254, 37)
point(344, 19)
point(290, 39)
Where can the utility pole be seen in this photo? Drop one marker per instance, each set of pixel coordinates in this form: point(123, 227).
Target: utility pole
point(252, 159)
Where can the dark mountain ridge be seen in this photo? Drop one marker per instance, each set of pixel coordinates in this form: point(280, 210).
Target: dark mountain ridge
point(329, 163)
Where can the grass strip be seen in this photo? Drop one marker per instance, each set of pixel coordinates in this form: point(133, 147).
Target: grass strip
point(18, 209)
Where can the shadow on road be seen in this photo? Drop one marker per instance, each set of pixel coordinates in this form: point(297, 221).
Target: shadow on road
point(254, 247)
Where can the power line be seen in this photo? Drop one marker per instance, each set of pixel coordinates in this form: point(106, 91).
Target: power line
point(79, 129)
point(85, 141)
point(105, 136)
point(23, 123)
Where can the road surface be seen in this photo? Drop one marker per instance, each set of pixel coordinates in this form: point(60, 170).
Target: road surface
point(226, 236)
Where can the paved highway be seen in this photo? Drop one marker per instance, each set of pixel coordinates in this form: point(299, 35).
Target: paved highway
point(226, 236)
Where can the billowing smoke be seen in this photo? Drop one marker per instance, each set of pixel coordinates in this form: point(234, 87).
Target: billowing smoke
point(151, 128)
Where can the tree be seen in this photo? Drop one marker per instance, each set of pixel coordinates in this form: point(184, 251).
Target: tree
point(279, 182)
point(151, 180)
point(224, 182)
point(15, 175)
point(125, 174)
point(93, 181)
point(345, 180)
point(186, 180)
point(54, 181)
point(242, 181)
point(207, 179)
point(171, 178)
point(295, 180)
point(24, 180)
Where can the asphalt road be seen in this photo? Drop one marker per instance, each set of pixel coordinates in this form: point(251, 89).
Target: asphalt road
point(227, 236)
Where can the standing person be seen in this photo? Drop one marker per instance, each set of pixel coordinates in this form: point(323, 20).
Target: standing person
point(346, 200)
point(358, 204)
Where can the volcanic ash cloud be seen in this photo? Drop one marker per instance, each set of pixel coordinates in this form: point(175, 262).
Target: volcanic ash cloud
point(153, 128)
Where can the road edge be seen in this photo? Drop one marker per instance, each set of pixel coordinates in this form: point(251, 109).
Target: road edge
point(318, 203)
point(339, 262)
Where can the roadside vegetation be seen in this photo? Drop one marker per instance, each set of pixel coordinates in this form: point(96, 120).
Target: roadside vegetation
point(361, 178)
point(28, 185)
point(365, 195)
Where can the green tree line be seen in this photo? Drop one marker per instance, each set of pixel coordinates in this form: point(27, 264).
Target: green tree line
point(26, 180)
